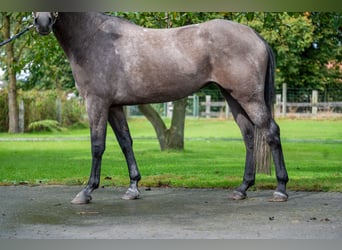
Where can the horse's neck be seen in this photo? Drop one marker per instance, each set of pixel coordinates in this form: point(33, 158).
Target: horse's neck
point(73, 29)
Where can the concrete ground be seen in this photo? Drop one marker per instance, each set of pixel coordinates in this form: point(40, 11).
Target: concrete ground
point(166, 213)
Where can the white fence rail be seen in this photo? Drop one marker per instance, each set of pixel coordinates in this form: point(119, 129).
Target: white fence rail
point(204, 106)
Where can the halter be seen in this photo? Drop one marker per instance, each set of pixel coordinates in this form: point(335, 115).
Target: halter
point(55, 16)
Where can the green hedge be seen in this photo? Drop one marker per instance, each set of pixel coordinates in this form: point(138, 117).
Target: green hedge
point(43, 105)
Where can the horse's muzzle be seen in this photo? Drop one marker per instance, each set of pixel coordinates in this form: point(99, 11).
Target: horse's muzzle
point(43, 23)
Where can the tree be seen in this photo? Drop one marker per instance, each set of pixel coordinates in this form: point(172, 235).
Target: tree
point(289, 36)
point(326, 50)
point(12, 23)
point(47, 64)
point(169, 138)
point(30, 61)
point(304, 44)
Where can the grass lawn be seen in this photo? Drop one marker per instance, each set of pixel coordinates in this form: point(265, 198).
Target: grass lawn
point(214, 157)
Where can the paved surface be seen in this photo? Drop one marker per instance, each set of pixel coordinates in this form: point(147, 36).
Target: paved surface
point(45, 212)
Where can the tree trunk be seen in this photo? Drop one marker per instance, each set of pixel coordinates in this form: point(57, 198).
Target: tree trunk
point(157, 123)
point(172, 138)
point(175, 134)
point(13, 110)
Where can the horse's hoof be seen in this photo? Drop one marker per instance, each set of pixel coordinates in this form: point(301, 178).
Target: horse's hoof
point(81, 198)
point(237, 195)
point(279, 197)
point(131, 194)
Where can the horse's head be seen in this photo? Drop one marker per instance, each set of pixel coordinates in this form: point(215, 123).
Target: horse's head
point(43, 21)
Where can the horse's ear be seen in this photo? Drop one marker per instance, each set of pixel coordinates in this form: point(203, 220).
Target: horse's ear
point(34, 15)
point(55, 16)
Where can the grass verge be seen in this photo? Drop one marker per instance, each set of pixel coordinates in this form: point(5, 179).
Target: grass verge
point(214, 157)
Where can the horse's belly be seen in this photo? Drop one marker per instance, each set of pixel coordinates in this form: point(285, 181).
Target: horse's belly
point(156, 92)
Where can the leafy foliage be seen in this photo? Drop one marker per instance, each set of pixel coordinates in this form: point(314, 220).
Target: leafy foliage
point(18, 20)
point(289, 37)
point(43, 105)
point(45, 125)
point(10, 23)
point(48, 66)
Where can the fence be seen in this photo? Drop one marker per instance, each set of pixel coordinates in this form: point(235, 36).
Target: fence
point(308, 102)
point(301, 102)
point(41, 105)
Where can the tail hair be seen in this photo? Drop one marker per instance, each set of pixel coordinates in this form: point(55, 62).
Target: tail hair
point(269, 80)
point(262, 152)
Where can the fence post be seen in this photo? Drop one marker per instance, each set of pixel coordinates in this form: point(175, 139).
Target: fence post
point(284, 98)
point(207, 106)
point(21, 116)
point(165, 109)
point(227, 109)
point(127, 111)
point(278, 104)
point(195, 106)
point(169, 109)
point(59, 110)
point(314, 101)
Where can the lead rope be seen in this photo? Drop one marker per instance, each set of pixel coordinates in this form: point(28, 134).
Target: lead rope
point(17, 35)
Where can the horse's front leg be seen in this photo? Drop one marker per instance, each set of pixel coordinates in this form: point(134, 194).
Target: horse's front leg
point(98, 117)
point(119, 125)
point(247, 131)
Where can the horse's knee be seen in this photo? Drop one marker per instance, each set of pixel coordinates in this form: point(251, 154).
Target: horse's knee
point(98, 150)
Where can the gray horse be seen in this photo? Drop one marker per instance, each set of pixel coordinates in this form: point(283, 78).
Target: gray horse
point(117, 63)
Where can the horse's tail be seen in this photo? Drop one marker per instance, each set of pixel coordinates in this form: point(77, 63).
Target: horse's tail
point(262, 153)
point(269, 80)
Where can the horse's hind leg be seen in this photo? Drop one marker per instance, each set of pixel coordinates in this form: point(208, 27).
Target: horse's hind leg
point(119, 125)
point(247, 130)
point(273, 139)
point(262, 118)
